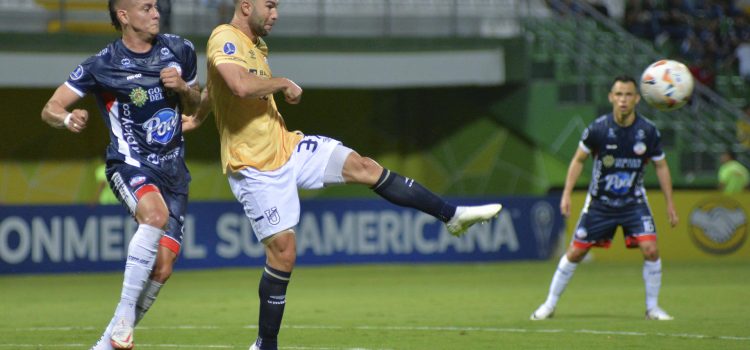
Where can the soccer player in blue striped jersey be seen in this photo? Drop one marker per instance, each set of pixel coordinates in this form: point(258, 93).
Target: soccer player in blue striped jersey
point(143, 83)
point(622, 144)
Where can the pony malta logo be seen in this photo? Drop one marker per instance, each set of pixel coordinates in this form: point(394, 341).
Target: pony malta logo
point(719, 226)
point(162, 126)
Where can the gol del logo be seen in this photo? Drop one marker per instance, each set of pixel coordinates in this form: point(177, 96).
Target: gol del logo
point(139, 96)
point(718, 225)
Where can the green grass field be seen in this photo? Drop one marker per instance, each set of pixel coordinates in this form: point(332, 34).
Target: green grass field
point(461, 306)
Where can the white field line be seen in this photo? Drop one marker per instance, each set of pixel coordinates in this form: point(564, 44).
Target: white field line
point(376, 328)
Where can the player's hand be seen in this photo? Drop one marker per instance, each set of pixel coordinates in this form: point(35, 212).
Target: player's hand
point(673, 219)
point(292, 93)
point(189, 123)
point(78, 120)
point(565, 206)
point(172, 80)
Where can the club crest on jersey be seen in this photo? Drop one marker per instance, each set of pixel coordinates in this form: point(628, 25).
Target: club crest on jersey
point(138, 96)
point(76, 73)
point(165, 53)
point(608, 161)
point(137, 180)
point(273, 216)
point(229, 48)
point(162, 126)
point(175, 65)
point(639, 148)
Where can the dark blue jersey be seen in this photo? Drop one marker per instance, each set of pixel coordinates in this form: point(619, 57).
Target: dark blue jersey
point(620, 157)
point(143, 116)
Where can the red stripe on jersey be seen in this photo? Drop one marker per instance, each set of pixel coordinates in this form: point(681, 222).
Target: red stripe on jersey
point(170, 243)
point(109, 100)
point(140, 192)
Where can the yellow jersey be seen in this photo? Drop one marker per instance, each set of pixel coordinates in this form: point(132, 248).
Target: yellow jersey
point(251, 130)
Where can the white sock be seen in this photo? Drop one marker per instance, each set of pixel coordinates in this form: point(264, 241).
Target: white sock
point(140, 261)
point(149, 294)
point(563, 274)
point(147, 298)
point(652, 280)
point(103, 343)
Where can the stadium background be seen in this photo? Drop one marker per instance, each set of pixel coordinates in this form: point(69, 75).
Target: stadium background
point(504, 89)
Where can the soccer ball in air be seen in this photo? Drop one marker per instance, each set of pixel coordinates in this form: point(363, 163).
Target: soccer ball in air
point(666, 85)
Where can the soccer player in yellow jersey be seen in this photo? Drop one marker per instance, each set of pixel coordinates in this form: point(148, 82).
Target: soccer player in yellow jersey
point(265, 163)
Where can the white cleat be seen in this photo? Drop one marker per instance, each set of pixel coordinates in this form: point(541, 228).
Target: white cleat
point(122, 335)
point(542, 313)
point(467, 216)
point(658, 314)
point(254, 347)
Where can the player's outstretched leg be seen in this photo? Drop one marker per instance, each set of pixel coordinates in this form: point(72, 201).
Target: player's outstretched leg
point(406, 192)
point(467, 216)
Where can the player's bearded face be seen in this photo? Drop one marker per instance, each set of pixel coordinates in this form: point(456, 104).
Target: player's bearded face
point(263, 17)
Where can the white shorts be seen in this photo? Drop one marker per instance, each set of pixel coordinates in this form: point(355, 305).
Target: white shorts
point(270, 198)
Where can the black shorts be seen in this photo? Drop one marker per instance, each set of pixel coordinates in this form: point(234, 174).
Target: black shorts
point(130, 183)
point(597, 225)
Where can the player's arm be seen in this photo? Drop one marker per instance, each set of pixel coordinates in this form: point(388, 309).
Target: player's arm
point(665, 182)
point(574, 172)
point(55, 112)
point(244, 84)
point(190, 95)
point(192, 122)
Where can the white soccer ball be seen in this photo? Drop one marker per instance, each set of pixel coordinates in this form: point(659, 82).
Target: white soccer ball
point(667, 85)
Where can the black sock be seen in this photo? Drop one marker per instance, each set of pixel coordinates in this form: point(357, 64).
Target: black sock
point(406, 192)
point(272, 293)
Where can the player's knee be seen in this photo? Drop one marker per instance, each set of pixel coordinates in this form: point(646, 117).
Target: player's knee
point(651, 254)
point(367, 171)
point(155, 218)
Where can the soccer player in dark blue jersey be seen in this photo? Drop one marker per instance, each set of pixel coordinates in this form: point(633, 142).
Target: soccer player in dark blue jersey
point(622, 143)
point(143, 83)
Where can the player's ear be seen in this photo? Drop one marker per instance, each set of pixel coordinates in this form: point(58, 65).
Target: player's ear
point(247, 7)
point(122, 16)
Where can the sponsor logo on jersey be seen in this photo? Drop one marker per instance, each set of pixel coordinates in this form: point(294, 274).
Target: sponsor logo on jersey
point(103, 51)
point(229, 48)
point(137, 180)
point(138, 96)
point(611, 146)
point(619, 182)
point(76, 73)
point(161, 127)
point(273, 216)
point(611, 133)
point(639, 148)
point(125, 62)
point(719, 225)
point(640, 134)
point(608, 161)
point(134, 76)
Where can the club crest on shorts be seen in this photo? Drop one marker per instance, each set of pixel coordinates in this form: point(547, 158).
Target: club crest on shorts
point(273, 216)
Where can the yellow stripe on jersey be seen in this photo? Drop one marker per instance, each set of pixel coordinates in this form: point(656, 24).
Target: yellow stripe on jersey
point(252, 131)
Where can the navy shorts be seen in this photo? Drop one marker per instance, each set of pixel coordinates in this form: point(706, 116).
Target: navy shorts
point(597, 225)
point(130, 183)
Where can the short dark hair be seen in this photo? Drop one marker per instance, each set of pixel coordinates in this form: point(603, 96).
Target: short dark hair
point(730, 154)
point(113, 15)
point(624, 79)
